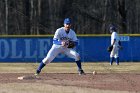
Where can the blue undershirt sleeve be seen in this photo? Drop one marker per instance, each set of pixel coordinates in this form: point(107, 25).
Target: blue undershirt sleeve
point(56, 41)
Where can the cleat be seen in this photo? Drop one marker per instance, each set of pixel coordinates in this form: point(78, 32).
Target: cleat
point(36, 75)
point(117, 63)
point(81, 72)
point(37, 72)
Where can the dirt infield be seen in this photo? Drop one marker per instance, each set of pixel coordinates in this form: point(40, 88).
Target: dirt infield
point(105, 81)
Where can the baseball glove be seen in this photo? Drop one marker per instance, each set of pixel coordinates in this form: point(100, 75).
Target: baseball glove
point(71, 44)
point(109, 49)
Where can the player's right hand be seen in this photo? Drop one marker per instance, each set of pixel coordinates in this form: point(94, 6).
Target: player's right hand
point(64, 43)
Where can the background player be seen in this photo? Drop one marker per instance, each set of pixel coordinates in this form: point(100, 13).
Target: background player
point(115, 43)
point(60, 45)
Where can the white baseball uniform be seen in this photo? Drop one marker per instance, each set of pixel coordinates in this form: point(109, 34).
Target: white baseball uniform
point(57, 48)
point(115, 50)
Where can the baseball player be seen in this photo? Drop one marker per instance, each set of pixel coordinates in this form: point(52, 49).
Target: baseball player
point(61, 40)
point(115, 43)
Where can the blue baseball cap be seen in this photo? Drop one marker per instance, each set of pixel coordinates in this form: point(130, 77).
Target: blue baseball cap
point(113, 27)
point(67, 21)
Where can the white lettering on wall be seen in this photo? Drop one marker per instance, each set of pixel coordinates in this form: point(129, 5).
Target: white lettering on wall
point(24, 49)
point(43, 47)
point(30, 49)
point(124, 38)
point(4, 49)
point(16, 51)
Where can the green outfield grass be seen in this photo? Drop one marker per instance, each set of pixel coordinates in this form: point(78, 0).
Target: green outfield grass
point(100, 67)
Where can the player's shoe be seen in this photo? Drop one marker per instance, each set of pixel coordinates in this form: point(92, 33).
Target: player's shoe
point(117, 63)
point(37, 72)
point(81, 72)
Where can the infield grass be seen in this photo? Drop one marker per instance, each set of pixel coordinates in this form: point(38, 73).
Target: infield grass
point(125, 67)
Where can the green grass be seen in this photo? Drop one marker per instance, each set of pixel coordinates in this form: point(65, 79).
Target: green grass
point(125, 67)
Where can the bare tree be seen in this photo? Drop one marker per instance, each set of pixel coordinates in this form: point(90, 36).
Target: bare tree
point(37, 17)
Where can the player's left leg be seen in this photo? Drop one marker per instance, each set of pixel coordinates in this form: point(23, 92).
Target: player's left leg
point(111, 60)
point(117, 61)
point(112, 55)
point(53, 52)
point(117, 56)
point(73, 54)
